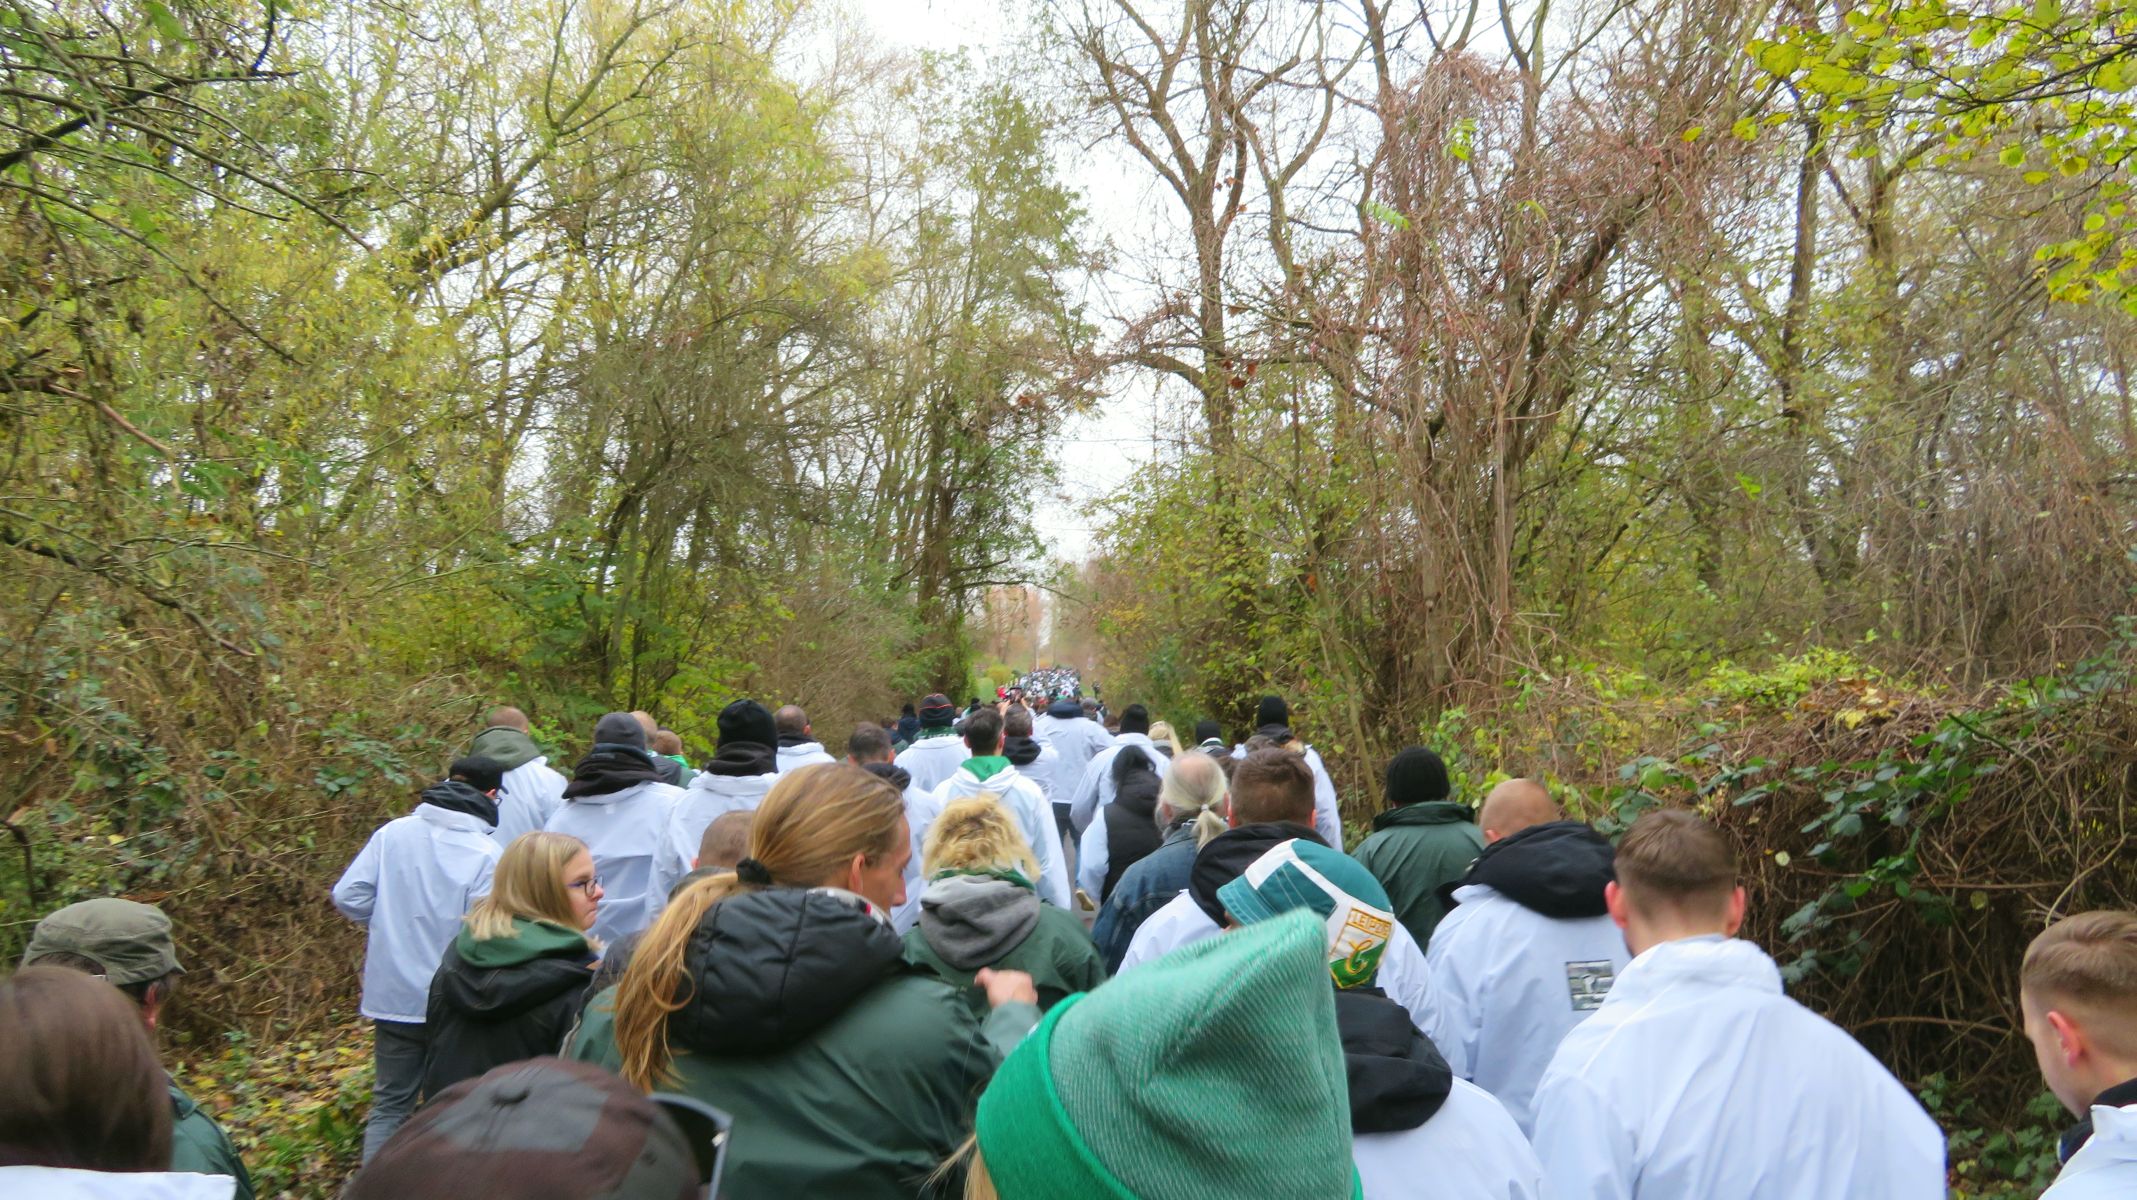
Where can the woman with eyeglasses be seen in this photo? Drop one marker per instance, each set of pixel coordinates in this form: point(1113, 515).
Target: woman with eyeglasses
point(513, 981)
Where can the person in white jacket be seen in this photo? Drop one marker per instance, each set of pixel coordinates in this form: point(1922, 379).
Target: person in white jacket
point(1065, 727)
point(409, 887)
point(618, 806)
point(738, 776)
point(2078, 991)
point(937, 754)
point(798, 746)
point(1698, 1077)
point(1094, 789)
point(531, 790)
point(988, 773)
point(1529, 950)
point(1272, 720)
point(1416, 1130)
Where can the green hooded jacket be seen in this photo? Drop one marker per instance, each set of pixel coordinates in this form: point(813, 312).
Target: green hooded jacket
point(200, 1147)
point(848, 1073)
point(1414, 851)
point(970, 922)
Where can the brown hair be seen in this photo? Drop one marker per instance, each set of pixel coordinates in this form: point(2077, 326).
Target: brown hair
point(84, 1088)
point(2088, 961)
point(804, 834)
point(978, 834)
point(528, 883)
point(1272, 785)
point(1677, 858)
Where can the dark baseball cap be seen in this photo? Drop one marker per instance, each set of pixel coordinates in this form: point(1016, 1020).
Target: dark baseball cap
point(131, 941)
point(544, 1129)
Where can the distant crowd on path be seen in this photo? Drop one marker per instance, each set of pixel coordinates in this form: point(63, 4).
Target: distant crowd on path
point(791, 972)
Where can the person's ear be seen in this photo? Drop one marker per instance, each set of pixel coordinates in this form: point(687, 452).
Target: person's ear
point(1229, 819)
point(2070, 1039)
point(152, 1005)
point(1614, 900)
point(1733, 919)
point(853, 872)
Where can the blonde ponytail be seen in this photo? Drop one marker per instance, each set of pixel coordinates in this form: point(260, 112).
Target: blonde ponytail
point(1195, 787)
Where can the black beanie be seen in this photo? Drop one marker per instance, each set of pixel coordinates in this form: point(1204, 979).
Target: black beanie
point(1135, 719)
point(748, 721)
point(1271, 711)
point(1415, 776)
point(936, 711)
point(620, 729)
point(1208, 731)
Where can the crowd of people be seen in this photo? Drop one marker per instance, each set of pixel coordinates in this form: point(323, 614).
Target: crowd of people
point(1036, 950)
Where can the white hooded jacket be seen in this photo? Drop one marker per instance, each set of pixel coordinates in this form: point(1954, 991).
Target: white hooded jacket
point(1034, 815)
point(530, 794)
point(1095, 789)
point(1078, 739)
point(802, 754)
point(1697, 1077)
point(632, 836)
point(2105, 1167)
point(933, 759)
point(1508, 983)
point(409, 886)
point(1181, 922)
point(1469, 1150)
point(709, 796)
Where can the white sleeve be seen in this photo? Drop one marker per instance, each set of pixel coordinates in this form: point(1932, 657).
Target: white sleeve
point(1092, 855)
point(1083, 805)
point(1406, 980)
point(357, 890)
point(484, 876)
point(1585, 1150)
point(1327, 818)
point(1053, 878)
point(1456, 1022)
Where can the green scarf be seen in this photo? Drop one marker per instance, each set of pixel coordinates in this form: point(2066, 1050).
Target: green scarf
point(986, 766)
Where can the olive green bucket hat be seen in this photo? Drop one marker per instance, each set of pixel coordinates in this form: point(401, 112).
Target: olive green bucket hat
point(131, 941)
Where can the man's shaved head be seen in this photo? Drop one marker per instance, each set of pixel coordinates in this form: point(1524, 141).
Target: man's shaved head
point(726, 840)
point(646, 719)
point(1514, 806)
point(507, 717)
point(791, 720)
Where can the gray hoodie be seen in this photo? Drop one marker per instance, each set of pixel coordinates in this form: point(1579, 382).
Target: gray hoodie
point(972, 921)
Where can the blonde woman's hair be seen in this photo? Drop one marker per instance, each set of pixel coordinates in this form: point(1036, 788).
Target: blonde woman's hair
point(805, 834)
point(1161, 734)
point(528, 884)
point(977, 834)
point(1195, 788)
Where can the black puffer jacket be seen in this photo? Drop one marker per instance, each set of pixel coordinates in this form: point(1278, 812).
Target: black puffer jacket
point(1556, 869)
point(773, 967)
point(503, 1000)
point(1132, 820)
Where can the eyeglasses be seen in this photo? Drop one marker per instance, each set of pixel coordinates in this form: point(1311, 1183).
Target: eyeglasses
point(589, 884)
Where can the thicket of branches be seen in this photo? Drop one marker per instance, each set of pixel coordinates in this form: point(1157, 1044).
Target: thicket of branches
point(361, 364)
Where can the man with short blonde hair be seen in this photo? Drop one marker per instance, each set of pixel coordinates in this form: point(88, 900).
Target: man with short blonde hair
point(2078, 990)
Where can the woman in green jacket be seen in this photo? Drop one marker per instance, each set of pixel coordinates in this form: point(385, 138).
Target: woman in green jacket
point(780, 994)
point(980, 910)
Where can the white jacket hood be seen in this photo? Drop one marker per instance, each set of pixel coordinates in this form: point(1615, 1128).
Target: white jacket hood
point(1699, 962)
point(2105, 1167)
point(802, 754)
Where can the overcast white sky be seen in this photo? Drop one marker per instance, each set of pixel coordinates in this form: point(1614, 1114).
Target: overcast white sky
point(1100, 451)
